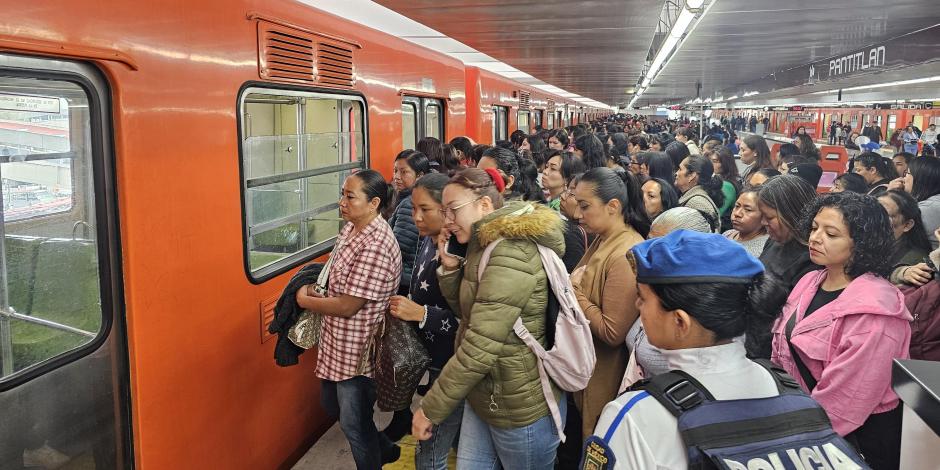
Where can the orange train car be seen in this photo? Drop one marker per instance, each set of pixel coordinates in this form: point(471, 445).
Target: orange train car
point(166, 166)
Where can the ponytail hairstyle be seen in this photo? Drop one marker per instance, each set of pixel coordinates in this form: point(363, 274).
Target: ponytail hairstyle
point(702, 166)
point(480, 182)
point(508, 163)
point(730, 309)
point(433, 184)
point(476, 153)
point(375, 186)
point(536, 144)
point(609, 184)
point(759, 146)
point(527, 184)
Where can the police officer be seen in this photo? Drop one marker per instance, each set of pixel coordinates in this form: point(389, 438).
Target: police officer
point(698, 294)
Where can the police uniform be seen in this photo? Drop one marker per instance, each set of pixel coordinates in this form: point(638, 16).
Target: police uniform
point(635, 431)
point(641, 434)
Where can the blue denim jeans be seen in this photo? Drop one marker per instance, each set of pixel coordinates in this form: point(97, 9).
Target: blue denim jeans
point(432, 454)
point(485, 447)
point(352, 401)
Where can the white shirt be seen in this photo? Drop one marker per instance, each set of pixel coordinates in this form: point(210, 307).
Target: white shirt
point(647, 437)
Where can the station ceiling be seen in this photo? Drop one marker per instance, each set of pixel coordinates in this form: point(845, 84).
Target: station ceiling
point(598, 48)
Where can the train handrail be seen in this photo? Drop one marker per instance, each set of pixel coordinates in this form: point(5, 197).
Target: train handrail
point(10, 313)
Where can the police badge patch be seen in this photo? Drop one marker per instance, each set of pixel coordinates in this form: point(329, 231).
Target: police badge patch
point(597, 455)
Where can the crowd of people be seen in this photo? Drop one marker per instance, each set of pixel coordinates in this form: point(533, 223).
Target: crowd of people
point(677, 259)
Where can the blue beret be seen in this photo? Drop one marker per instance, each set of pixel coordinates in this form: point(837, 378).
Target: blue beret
point(686, 256)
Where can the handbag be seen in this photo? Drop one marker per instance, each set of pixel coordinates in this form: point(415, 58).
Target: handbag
point(306, 332)
point(400, 363)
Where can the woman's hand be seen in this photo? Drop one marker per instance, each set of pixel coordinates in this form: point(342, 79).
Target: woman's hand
point(897, 183)
point(404, 308)
point(448, 262)
point(918, 274)
point(305, 295)
point(577, 275)
point(421, 426)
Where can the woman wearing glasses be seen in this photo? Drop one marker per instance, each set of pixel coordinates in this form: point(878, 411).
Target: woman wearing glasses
point(506, 419)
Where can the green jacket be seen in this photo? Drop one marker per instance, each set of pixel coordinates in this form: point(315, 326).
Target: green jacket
point(492, 368)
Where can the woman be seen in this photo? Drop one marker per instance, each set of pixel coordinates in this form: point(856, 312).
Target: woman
point(700, 188)
point(605, 288)
point(591, 151)
point(789, 156)
point(756, 154)
point(747, 220)
point(850, 141)
point(365, 272)
point(637, 144)
point(849, 182)
point(844, 325)
point(658, 196)
point(911, 245)
point(533, 143)
point(558, 140)
point(910, 139)
point(682, 218)
point(807, 147)
point(923, 182)
point(693, 316)
point(656, 144)
point(799, 131)
point(724, 166)
point(559, 171)
point(677, 152)
point(464, 148)
point(506, 419)
point(409, 166)
point(428, 312)
point(505, 161)
point(688, 137)
point(433, 149)
point(878, 171)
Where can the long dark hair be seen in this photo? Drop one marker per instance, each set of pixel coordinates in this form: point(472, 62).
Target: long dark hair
point(926, 173)
point(729, 310)
point(417, 161)
point(609, 185)
point(561, 136)
point(659, 165)
point(883, 166)
point(592, 148)
point(433, 149)
point(433, 184)
point(526, 184)
point(788, 195)
point(706, 179)
point(667, 194)
point(677, 152)
point(759, 146)
point(729, 169)
point(868, 226)
point(908, 209)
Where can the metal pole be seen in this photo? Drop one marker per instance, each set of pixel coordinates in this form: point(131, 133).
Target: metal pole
point(6, 335)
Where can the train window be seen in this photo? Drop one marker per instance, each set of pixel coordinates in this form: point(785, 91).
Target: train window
point(50, 290)
point(522, 121)
point(892, 122)
point(500, 123)
point(297, 148)
point(551, 121)
point(433, 124)
point(537, 118)
point(409, 126)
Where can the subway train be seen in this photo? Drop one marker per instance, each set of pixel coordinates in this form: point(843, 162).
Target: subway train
point(166, 167)
point(816, 120)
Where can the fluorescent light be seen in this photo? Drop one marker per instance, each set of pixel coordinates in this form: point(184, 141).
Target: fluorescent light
point(694, 4)
point(733, 98)
point(751, 93)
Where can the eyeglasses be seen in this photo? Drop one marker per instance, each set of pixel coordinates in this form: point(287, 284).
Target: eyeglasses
point(450, 213)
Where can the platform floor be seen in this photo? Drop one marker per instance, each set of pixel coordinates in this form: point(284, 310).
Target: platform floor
point(332, 450)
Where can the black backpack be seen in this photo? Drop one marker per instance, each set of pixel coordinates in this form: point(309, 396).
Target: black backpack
point(789, 431)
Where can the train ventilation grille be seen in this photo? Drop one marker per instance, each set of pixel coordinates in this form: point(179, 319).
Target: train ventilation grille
point(523, 99)
point(293, 55)
point(550, 105)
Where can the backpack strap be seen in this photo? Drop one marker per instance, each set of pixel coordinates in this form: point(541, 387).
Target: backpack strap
point(785, 382)
point(677, 391)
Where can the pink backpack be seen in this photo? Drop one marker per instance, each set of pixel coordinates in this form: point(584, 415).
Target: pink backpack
point(570, 361)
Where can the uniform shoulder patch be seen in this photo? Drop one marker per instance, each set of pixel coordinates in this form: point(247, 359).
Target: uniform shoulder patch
point(597, 455)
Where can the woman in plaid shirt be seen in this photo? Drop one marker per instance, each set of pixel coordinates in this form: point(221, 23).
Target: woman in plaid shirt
point(365, 273)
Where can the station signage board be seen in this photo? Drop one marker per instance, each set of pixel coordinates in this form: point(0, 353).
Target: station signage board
point(922, 105)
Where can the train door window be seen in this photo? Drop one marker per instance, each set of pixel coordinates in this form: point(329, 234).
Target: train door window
point(297, 148)
point(892, 122)
point(500, 123)
point(537, 118)
point(551, 120)
point(50, 289)
point(409, 125)
point(878, 120)
point(522, 121)
point(433, 119)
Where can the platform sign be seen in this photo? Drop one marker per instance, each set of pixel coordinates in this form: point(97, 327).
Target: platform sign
point(35, 104)
point(922, 105)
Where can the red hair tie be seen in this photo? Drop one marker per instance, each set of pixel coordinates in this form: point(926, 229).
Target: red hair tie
point(497, 179)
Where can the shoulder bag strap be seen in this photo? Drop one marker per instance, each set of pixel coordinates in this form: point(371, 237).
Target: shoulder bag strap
point(785, 382)
point(677, 391)
point(808, 378)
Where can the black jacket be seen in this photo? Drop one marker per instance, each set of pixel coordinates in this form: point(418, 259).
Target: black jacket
point(440, 328)
point(406, 233)
point(286, 313)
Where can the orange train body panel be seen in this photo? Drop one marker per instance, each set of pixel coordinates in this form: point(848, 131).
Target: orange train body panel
point(205, 392)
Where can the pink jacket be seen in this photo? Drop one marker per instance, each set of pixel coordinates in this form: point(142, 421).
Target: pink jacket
point(847, 345)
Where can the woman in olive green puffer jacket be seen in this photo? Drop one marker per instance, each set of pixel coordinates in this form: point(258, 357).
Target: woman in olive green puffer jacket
point(492, 369)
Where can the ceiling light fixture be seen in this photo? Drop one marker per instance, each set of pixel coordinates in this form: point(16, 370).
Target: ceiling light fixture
point(691, 11)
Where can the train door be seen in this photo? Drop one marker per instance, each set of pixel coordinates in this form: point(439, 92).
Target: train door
point(537, 118)
point(500, 123)
point(63, 354)
point(522, 121)
point(421, 117)
point(551, 120)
